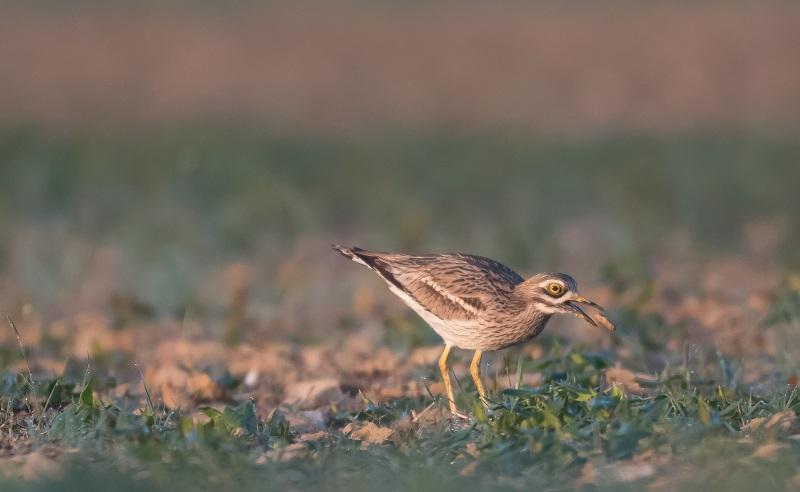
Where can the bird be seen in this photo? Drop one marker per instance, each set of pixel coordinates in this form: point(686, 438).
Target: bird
point(476, 303)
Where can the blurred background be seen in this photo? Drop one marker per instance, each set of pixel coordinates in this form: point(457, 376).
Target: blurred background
point(172, 175)
point(185, 165)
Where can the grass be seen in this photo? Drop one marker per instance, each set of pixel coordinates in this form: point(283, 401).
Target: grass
point(686, 433)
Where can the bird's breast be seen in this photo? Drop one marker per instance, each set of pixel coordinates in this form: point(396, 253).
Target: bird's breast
point(504, 331)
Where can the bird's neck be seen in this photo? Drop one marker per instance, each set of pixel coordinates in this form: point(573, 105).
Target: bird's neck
point(536, 320)
point(526, 315)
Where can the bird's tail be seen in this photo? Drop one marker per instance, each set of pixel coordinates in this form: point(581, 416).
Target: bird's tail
point(353, 253)
point(375, 262)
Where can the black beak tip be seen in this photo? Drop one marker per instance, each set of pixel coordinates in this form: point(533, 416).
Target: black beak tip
point(581, 313)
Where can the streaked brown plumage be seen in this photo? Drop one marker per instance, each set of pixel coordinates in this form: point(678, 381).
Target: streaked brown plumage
point(473, 302)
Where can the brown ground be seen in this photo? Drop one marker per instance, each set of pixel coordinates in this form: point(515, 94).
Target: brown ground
point(547, 68)
point(711, 307)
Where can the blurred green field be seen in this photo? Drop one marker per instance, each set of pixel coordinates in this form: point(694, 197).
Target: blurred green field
point(179, 200)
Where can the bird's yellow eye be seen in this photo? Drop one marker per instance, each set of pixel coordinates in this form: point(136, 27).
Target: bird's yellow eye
point(555, 289)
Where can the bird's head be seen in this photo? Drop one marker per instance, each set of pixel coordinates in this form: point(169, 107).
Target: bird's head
point(554, 293)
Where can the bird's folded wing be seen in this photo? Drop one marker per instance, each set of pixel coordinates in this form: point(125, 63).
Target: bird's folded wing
point(444, 302)
point(452, 286)
point(455, 287)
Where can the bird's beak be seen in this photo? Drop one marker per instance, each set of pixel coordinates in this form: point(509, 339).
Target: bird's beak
point(572, 305)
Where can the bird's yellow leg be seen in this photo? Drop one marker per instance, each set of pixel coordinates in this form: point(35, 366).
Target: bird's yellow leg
point(474, 370)
point(446, 378)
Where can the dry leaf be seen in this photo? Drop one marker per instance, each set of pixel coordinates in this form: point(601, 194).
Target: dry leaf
point(753, 424)
point(314, 436)
point(631, 472)
point(588, 475)
point(306, 421)
point(202, 387)
point(469, 469)
point(289, 452)
point(392, 393)
point(37, 466)
point(369, 433)
point(313, 393)
point(659, 483)
point(783, 421)
point(629, 380)
point(768, 451)
point(174, 399)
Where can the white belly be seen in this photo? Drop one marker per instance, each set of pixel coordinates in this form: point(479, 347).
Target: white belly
point(458, 333)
